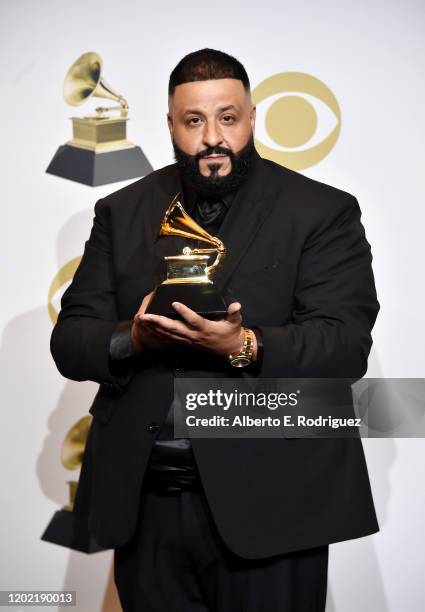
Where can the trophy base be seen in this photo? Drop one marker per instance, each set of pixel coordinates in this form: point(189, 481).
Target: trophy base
point(90, 168)
point(66, 529)
point(202, 298)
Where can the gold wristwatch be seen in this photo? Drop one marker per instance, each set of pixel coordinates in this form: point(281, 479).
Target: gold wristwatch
point(244, 357)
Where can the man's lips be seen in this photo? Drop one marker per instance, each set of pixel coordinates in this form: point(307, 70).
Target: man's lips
point(215, 156)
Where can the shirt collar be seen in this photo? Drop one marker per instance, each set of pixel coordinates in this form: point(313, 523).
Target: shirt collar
point(191, 197)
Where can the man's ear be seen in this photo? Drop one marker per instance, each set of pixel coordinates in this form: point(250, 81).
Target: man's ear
point(252, 117)
point(170, 122)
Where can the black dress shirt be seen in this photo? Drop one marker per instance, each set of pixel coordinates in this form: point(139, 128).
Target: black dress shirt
point(172, 465)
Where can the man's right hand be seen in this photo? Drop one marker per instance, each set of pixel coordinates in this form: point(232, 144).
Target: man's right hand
point(143, 337)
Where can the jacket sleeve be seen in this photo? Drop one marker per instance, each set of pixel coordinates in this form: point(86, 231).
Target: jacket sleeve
point(335, 305)
point(81, 339)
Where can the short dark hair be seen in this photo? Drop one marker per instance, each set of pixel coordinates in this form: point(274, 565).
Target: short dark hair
point(207, 64)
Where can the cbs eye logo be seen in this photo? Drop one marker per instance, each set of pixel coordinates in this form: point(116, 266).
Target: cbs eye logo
point(300, 125)
point(58, 285)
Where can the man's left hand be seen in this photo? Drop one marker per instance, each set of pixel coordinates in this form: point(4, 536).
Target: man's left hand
point(223, 337)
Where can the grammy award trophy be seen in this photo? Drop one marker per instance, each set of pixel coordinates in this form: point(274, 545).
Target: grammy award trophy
point(65, 528)
point(99, 151)
point(188, 275)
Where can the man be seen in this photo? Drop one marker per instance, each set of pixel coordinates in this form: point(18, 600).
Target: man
point(219, 524)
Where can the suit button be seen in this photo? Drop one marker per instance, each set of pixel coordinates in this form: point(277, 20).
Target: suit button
point(153, 427)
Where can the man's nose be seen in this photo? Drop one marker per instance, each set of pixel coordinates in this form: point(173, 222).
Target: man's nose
point(212, 136)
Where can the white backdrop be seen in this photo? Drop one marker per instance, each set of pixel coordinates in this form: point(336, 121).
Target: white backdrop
point(371, 54)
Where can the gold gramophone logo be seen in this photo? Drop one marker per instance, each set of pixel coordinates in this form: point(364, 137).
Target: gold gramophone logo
point(63, 529)
point(72, 452)
point(300, 123)
point(99, 151)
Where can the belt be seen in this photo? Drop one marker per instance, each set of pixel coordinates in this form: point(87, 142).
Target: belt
point(169, 482)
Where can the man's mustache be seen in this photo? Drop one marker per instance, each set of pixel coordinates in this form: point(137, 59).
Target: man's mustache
point(213, 151)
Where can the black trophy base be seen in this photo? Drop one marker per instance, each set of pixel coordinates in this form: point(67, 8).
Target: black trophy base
point(203, 298)
point(90, 168)
point(67, 529)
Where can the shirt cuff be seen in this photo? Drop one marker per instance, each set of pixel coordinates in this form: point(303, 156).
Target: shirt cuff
point(121, 346)
point(121, 353)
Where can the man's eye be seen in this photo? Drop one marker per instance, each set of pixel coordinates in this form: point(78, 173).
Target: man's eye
point(228, 118)
point(194, 121)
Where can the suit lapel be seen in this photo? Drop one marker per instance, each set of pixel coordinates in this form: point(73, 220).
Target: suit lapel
point(253, 203)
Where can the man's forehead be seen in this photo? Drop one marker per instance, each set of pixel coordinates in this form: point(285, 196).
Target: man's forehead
point(219, 92)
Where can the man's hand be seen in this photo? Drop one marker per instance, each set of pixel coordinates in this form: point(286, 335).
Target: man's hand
point(222, 337)
point(143, 337)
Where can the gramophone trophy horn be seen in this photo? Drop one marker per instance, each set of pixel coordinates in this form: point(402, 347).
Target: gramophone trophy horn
point(84, 80)
point(99, 151)
point(189, 274)
point(64, 528)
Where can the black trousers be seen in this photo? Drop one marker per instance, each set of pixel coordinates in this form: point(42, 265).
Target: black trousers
point(177, 562)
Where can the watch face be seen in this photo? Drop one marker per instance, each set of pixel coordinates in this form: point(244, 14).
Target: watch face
point(240, 362)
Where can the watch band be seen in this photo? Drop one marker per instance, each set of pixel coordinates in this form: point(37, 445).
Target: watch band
point(244, 357)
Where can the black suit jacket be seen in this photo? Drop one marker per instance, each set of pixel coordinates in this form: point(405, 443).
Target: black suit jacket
point(300, 265)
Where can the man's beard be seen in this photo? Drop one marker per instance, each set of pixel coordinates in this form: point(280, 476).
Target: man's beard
point(214, 185)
